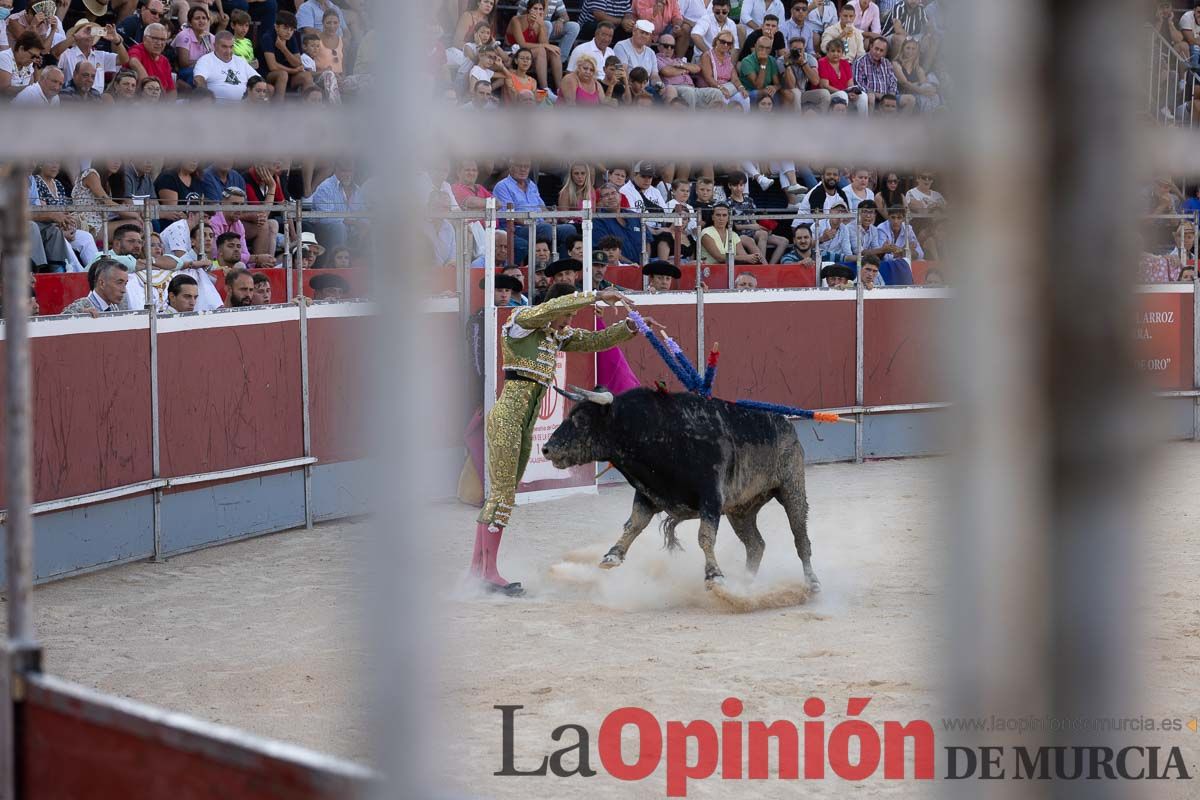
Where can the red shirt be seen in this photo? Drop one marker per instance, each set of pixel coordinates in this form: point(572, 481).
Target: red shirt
point(839, 80)
point(155, 67)
point(254, 193)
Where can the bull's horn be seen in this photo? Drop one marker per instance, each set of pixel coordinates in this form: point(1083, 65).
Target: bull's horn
point(578, 398)
point(600, 398)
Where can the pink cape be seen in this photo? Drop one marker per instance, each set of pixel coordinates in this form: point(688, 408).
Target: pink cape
point(612, 370)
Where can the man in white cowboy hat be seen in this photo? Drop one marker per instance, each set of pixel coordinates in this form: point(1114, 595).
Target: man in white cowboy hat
point(103, 11)
point(307, 251)
point(84, 34)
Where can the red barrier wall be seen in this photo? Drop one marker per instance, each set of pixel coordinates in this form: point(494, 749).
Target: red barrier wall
point(1162, 335)
point(91, 412)
point(55, 292)
point(903, 351)
point(230, 397)
point(337, 347)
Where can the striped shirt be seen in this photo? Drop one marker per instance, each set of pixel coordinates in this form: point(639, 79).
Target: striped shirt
point(614, 8)
point(911, 18)
point(875, 77)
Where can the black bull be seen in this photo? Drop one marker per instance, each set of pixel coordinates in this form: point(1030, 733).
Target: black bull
point(691, 457)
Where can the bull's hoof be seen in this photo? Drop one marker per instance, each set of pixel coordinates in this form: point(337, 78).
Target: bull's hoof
point(716, 579)
point(611, 560)
point(814, 585)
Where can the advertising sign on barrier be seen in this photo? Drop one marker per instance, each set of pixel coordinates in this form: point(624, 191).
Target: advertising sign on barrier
point(550, 416)
point(1162, 334)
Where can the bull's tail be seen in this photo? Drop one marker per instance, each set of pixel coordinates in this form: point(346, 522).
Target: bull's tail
point(668, 525)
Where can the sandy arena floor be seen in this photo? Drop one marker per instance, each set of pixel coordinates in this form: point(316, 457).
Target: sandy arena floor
point(263, 634)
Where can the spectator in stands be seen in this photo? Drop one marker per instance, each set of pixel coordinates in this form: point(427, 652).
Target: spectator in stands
point(307, 251)
point(821, 14)
point(84, 35)
point(502, 254)
point(262, 290)
point(848, 33)
point(824, 194)
point(82, 246)
point(867, 20)
point(837, 76)
point(800, 76)
point(518, 297)
point(82, 86)
point(619, 13)
point(40, 20)
point(889, 195)
point(637, 52)
point(182, 293)
point(625, 225)
point(868, 273)
point(717, 21)
point(874, 74)
point(836, 276)
point(239, 26)
point(281, 51)
point(310, 16)
point(560, 30)
point(759, 73)
point(127, 246)
point(920, 88)
point(564, 271)
point(147, 59)
point(578, 187)
point(923, 197)
point(718, 70)
point(583, 88)
point(718, 239)
point(1190, 31)
point(908, 21)
point(340, 258)
point(42, 92)
point(193, 42)
point(660, 275)
point(663, 15)
point(133, 27)
point(124, 86)
point(522, 193)
point(150, 90)
point(898, 236)
point(740, 203)
point(329, 287)
point(223, 73)
point(239, 289)
point(139, 180)
point(49, 251)
point(248, 226)
point(794, 27)
point(340, 192)
point(803, 249)
point(108, 292)
point(680, 74)
point(528, 30)
point(680, 191)
point(229, 252)
point(480, 12)
point(745, 281)
point(17, 64)
point(610, 246)
point(754, 13)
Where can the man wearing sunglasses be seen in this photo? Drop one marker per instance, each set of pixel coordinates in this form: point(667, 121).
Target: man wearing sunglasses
point(133, 27)
point(715, 23)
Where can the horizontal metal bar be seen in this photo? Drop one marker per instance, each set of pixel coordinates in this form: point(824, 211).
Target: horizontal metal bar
point(222, 744)
point(1179, 393)
point(140, 487)
point(139, 132)
point(238, 472)
point(887, 409)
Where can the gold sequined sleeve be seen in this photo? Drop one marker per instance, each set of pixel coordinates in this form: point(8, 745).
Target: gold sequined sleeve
point(539, 316)
point(593, 341)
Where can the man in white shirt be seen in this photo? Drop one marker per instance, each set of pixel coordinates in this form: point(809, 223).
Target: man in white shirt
point(598, 48)
point(1191, 31)
point(85, 33)
point(223, 73)
point(852, 38)
point(717, 21)
point(753, 12)
point(44, 92)
point(634, 51)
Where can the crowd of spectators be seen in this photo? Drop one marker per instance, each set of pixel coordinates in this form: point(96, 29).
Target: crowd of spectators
point(844, 216)
point(206, 51)
point(810, 57)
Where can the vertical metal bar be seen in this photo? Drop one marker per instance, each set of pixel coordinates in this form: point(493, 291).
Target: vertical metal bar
point(908, 235)
point(553, 246)
point(155, 444)
point(530, 255)
point(587, 244)
point(730, 252)
point(645, 245)
point(299, 262)
point(699, 319)
point(21, 651)
point(305, 411)
point(859, 371)
point(287, 252)
point(489, 326)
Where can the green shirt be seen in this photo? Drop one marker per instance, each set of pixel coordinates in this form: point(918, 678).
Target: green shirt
point(245, 49)
point(748, 67)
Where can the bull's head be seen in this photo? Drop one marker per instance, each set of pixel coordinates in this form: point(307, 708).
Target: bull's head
point(580, 439)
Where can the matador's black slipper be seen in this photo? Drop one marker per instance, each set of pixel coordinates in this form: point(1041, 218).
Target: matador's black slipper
point(509, 589)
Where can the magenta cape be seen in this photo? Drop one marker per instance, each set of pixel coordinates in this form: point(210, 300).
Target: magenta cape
point(612, 370)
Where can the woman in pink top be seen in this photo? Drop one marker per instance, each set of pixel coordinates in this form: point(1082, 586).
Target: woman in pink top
point(717, 68)
point(193, 41)
point(468, 192)
point(580, 88)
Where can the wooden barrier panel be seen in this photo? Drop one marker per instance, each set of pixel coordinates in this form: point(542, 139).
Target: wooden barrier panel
point(1162, 333)
point(91, 408)
point(904, 354)
point(76, 743)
